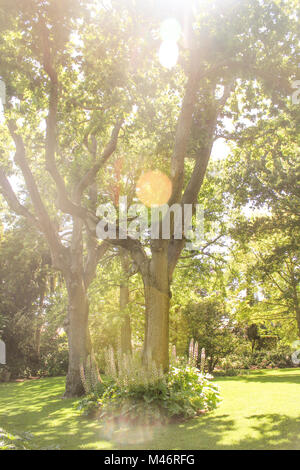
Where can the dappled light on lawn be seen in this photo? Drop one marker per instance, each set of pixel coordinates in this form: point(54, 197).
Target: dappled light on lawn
point(252, 415)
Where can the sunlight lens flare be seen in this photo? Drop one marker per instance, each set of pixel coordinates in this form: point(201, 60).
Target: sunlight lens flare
point(154, 188)
point(168, 54)
point(170, 30)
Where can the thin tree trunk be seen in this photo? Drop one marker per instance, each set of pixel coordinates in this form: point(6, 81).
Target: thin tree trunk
point(157, 301)
point(38, 333)
point(126, 346)
point(298, 320)
point(296, 300)
point(39, 325)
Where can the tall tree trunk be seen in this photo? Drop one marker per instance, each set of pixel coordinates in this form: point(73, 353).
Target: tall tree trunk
point(296, 299)
point(126, 346)
point(38, 333)
point(298, 320)
point(39, 326)
point(157, 300)
point(78, 334)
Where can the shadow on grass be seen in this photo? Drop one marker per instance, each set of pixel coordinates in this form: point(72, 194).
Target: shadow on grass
point(277, 431)
point(37, 407)
point(264, 377)
point(268, 431)
point(205, 433)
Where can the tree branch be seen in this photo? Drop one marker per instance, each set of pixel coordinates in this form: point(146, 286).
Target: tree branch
point(95, 253)
point(137, 253)
point(43, 216)
point(13, 201)
point(194, 185)
point(63, 202)
point(90, 175)
point(197, 178)
point(183, 131)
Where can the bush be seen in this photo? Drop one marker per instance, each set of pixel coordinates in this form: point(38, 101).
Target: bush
point(89, 405)
point(231, 372)
point(5, 374)
point(54, 363)
point(10, 441)
point(136, 393)
point(23, 441)
point(211, 327)
point(277, 358)
point(180, 394)
point(267, 342)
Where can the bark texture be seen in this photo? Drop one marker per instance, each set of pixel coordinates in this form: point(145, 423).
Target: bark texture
point(157, 302)
point(78, 335)
point(126, 345)
point(126, 342)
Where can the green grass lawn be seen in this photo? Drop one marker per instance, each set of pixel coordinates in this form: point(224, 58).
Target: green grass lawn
point(259, 411)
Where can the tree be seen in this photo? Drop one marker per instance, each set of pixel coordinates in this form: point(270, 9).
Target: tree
point(267, 235)
point(125, 340)
point(231, 46)
point(22, 296)
point(107, 78)
point(253, 335)
point(39, 32)
point(211, 327)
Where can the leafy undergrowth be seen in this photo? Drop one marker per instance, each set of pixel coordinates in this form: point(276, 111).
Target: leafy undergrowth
point(174, 397)
point(21, 441)
point(144, 394)
point(10, 441)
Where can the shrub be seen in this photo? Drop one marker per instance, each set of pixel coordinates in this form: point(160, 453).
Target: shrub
point(136, 393)
point(22, 441)
point(267, 342)
point(180, 394)
point(211, 327)
point(126, 370)
point(5, 374)
point(90, 377)
point(231, 372)
point(10, 441)
point(89, 404)
point(55, 362)
point(279, 357)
